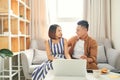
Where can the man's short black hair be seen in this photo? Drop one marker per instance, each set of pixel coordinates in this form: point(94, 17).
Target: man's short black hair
point(83, 23)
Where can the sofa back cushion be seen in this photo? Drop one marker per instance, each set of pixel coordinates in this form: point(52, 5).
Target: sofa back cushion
point(101, 56)
point(39, 57)
point(37, 44)
point(41, 44)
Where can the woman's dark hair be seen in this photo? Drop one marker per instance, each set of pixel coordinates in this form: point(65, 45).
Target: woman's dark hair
point(52, 31)
point(83, 23)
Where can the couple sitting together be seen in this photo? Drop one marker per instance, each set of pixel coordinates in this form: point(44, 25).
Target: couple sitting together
point(81, 46)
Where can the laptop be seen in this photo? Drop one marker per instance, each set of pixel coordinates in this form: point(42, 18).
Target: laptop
point(70, 67)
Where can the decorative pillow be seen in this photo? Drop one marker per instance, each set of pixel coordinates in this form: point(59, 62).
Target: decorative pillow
point(113, 56)
point(39, 57)
point(101, 57)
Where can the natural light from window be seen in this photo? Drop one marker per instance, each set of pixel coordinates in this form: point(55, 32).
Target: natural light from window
point(69, 8)
point(66, 13)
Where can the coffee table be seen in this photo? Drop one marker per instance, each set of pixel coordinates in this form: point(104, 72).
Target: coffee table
point(90, 76)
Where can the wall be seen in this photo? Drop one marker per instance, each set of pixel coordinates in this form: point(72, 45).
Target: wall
point(115, 22)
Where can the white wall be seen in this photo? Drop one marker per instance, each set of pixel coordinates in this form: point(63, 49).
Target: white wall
point(115, 13)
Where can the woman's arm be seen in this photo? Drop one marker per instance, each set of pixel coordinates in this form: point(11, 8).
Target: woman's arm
point(50, 57)
point(67, 55)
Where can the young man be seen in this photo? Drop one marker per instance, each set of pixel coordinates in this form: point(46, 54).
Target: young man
point(83, 46)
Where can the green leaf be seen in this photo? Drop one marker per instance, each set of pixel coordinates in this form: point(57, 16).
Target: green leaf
point(5, 53)
point(2, 55)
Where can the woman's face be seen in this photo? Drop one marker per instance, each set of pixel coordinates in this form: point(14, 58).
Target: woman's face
point(58, 32)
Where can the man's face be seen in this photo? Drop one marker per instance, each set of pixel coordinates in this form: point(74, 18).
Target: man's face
point(81, 31)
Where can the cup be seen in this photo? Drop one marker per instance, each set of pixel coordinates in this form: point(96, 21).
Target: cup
point(96, 73)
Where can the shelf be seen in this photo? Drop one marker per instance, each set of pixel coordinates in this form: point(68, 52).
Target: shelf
point(22, 10)
point(15, 70)
point(4, 8)
point(1, 27)
point(28, 14)
point(6, 73)
point(5, 15)
point(14, 34)
point(14, 6)
point(5, 25)
point(14, 26)
point(4, 42)
point(14, 43)
point(21, 19)
point(22, 27)
point(28, 3)
point(23, 1)
point(27, 42)
point(27, 28)
point(22, 43)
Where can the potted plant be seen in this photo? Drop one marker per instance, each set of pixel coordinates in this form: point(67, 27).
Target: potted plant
point(6, 53)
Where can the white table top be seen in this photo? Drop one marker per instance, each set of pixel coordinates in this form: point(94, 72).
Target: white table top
point(108, 76)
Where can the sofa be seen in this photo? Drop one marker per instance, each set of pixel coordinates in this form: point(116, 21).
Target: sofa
point(33, 57)
point(107, 57)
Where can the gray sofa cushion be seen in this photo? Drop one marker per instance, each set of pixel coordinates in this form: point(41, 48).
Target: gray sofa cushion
point(105, 65)
point(113, 56)
point(37, 44)
point(101, 57)
point(39, 57)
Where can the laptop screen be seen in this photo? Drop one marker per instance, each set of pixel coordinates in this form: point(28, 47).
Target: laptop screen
point(69, 67)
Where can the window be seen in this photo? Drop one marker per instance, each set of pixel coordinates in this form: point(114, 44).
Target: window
point(69, 9)
point(66, 13)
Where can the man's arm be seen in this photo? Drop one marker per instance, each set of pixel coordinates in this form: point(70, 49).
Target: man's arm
point(93, 50)
point(72, 40)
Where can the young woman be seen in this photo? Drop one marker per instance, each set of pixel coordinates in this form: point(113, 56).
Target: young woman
point(56, 47)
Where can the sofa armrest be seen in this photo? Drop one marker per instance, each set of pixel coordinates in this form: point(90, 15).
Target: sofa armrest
point(113, 57)
point(26, 58)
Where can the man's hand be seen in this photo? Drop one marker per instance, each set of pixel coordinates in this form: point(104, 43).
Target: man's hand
point(84, 57)
point(88, 59)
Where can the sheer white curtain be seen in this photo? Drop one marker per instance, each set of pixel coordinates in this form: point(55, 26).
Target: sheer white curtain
point(39, 19)
point(97, 12)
